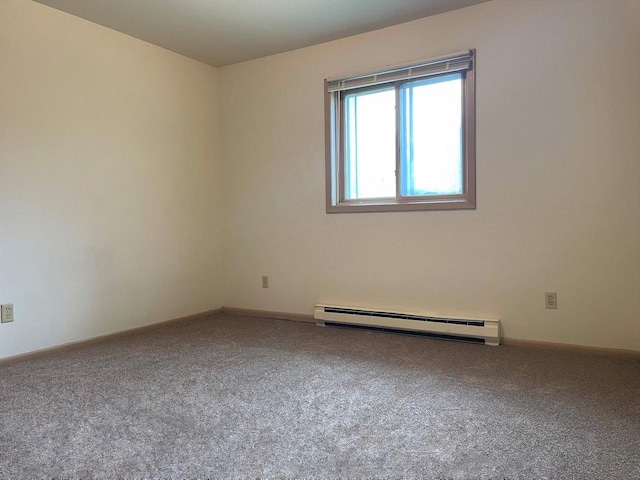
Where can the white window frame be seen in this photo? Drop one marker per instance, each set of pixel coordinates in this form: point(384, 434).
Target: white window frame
point(462, 62)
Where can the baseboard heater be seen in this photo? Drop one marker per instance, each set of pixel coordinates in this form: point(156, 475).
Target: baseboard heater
point(479, 330)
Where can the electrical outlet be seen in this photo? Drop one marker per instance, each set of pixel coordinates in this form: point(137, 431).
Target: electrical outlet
point(550, 300)
point(6, 313)
point(265, 281)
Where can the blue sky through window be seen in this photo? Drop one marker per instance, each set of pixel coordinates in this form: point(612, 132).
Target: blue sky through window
point(430, 139)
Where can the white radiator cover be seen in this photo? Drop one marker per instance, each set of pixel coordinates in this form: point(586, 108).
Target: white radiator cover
point(452, 326)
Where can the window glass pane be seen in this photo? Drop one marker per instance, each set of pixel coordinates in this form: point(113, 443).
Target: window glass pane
point(431, 136)
point(370, 144)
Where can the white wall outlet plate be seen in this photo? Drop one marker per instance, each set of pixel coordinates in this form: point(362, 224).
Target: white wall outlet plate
point(6, 313)
point(550, 300)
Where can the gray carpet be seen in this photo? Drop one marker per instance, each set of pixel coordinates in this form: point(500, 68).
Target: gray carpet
point(231, 397)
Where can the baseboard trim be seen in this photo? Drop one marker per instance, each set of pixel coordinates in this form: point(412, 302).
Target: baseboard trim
point(616, 352)
point(516, 342)
point(246, 312)
point(297, 317)
point(101, 338)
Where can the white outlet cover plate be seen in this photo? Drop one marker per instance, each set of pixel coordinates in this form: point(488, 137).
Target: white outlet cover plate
point(6, 313)
point(551, 300)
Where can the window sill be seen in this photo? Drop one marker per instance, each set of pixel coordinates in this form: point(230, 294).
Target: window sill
point(380, 205)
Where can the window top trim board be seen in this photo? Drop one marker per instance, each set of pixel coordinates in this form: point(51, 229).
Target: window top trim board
point(457, 62)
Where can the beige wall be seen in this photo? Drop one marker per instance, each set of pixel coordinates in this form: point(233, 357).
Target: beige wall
point(109, 180)
point(113, 167)
point(558, 136)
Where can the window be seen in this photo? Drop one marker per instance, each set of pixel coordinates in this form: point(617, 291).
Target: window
point(402, 138)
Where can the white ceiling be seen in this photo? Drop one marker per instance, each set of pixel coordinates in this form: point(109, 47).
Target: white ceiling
point(223, 32)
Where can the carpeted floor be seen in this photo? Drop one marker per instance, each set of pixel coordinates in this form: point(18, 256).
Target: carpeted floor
point(230, 397)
